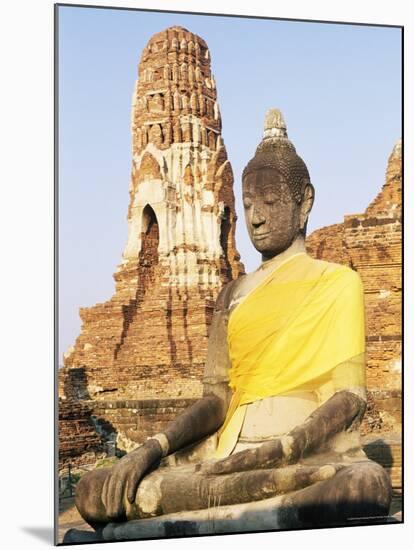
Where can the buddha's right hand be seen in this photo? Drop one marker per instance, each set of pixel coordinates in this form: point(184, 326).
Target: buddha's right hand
point(124, 478)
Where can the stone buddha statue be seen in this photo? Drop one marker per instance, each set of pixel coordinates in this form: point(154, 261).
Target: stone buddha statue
point(274, 441)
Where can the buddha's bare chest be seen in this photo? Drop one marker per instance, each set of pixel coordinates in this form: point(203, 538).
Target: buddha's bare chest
point(276, 415)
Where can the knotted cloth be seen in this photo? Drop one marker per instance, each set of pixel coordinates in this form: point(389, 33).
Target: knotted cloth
point(305, 318)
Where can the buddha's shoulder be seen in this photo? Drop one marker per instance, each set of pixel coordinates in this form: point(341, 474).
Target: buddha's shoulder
point(325, 268)
point(228, 291)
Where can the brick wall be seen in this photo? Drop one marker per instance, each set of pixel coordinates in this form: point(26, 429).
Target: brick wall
point(371, 244)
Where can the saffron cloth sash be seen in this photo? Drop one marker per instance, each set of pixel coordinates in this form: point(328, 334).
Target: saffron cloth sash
point(305, 318)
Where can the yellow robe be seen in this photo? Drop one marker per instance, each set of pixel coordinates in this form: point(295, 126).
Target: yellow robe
point(303, 320)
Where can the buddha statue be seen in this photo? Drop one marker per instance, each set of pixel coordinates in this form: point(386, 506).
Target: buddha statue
point(274, 441)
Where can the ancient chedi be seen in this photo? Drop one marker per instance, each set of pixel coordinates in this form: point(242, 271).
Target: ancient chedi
point(150, 338)
point(371, 244)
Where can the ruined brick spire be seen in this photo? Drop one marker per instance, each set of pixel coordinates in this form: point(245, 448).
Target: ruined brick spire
point(175, 98)
point(389, 200)
point(180, 167)
point(150, 338)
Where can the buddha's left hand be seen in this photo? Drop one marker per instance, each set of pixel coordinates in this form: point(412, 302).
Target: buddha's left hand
point(268, 455)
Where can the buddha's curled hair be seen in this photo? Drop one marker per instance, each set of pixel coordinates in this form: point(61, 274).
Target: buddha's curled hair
point(277, 152)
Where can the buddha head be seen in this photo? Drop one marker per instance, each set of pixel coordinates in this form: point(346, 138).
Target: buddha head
point(277, 192)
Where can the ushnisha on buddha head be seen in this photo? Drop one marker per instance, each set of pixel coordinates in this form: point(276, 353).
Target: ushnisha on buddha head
point(277, 191)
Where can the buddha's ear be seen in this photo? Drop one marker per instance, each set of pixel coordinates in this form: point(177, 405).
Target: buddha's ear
point(306, 205)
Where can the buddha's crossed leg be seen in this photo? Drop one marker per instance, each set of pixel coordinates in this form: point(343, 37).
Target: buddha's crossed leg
point(288, 497)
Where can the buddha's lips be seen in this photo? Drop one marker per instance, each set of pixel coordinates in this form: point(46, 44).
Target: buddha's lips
point(261, 235)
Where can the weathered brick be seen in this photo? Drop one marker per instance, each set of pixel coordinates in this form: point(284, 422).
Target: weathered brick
point(371, 244)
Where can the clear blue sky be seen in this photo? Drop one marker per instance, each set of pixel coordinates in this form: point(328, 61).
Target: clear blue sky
point(338, 86)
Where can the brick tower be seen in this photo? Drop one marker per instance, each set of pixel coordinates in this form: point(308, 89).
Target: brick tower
point(150, 338)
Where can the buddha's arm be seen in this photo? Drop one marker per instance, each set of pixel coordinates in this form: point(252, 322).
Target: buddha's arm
point(339, 413)
point(199, 420)
point(343, 411)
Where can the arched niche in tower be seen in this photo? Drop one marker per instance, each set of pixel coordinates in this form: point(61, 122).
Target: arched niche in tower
point(156, 103)
point(149, 168)
point(201, 103)
point(150, 239)
point(155, 135)
point(183, 71)
point(211, 140)
point(177, 100)
point(175, 72)
point(225, 233)
point(191, 73)
point(194, 102)
point(188, 175)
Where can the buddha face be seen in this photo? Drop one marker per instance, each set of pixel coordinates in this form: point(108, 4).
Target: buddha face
point(273, 216)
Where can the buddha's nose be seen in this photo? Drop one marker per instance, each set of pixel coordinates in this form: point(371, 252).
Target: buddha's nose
point(257, 219)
